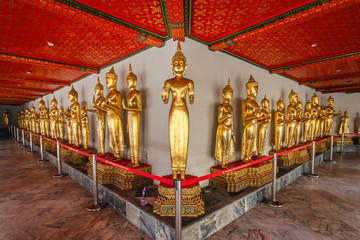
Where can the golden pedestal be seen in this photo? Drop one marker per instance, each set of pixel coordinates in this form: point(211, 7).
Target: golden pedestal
point(48, 146)
point(68, 155)
point(320, 147)
point(35, 140)
point(192, 203)
point(285, 160)
point(104, 172)
point(303, 156)
point(254, 176)
point(347, 141)
point(27, 136)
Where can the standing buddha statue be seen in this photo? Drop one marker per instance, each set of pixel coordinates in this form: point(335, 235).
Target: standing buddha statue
point(85, 126)
point(75, 116)
point(179, 115)
point(263, 125)
point(133, 112)
point(34, 119)
point(307, 121)
point(330, 115)
point(314, 126)
point(225, 138)
point(54, 115)
point(27, 119)
point(279, 124)
point(61, 123)
point(6, 117)
point(250, 114)
point(22, 113)
point(299, 108)
point(68, 126)
point(113, 113)
point(344, 126)
point(322, 117)
point(291, 119)
point(44, 119)
point(19, 119)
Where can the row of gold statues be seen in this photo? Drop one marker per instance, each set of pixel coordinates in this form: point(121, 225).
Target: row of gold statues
point(318, 120)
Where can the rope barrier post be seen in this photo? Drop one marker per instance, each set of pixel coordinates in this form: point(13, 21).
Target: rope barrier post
point(178, 224)
point(60, 174)
point(23, 137)
point(14, 133)
point(332, 148)
point(274, 202)
point(94, 207)
point(342, 143)
point(312, 174)
point(17, 135)
point(42, 151)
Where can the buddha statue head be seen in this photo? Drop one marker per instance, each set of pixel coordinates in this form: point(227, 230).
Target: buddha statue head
point(99, 89)
point(73, 95)
point(330, 101)
point(61, 110)
point(293, 97)
point(131, 79)
point(41, 104)
point(346, 113)
point(315, 100)
point(111, 79)
point(227, 92)
point(178, 65)
point(265, 103)
point(53, 102)
point(308, 106)
point(33, 109)
point(252, 87)
point(280, 104)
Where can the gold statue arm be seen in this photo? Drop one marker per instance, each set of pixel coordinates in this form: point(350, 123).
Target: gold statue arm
point(191, 92)
point(138, 106)
point(165, 93)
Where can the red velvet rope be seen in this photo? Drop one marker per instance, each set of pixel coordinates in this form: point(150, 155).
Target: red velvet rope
point(191, 181)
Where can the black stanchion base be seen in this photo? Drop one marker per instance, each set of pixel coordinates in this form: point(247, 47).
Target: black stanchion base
point(94, 208)
point(275, 204)
point(312, 175)
point(42, 161)
point(61, 175)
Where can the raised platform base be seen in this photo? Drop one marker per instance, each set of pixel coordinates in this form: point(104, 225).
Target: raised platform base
point(118, 177)
point(68, 155)
point(48, 146)
point(347, 141)
point(297, 157)
point(254, 176)
point(192, 203)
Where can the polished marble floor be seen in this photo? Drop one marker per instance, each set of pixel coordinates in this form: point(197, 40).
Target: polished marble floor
point(33, 205)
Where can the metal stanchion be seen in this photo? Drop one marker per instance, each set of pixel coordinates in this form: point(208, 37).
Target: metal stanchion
point(178, 224)
point(23, 137)
point(342, 143)
point(42, 151)
point(60, 174)
point(17, 135)
point(94, 207)
point(274, 202)
point(312, 174)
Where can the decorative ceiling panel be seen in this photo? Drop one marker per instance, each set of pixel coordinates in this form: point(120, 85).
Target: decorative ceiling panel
point(212, 20)
point(21, 70)
point(26, 31)
point(334, 34)
point(145, 14)
point(27, 84)
point(337, 68)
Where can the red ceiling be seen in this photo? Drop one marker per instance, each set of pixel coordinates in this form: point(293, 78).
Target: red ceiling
point(90, 34)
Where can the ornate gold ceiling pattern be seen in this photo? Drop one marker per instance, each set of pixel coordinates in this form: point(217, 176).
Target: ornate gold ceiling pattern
point(48, 44)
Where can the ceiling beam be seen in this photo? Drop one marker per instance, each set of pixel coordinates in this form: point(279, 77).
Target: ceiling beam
point(327, 80)
point(36, 81)
point(337, 88)
point(45, 63)
point(175, 12)
point(19, 97)
point(290, 68)
point(343, 90)
point(92, 17)
point(28, 89)
point(310, 14)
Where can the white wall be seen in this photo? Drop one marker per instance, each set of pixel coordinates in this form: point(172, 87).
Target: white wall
point(209, 71)
point(13, 110)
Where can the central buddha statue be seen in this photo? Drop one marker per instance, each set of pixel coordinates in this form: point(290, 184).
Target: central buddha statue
point(299, 108)
point(250, 115)
point(279, 124)
point(54, 115)
point(315, 111)
point(44, 119)
point(263, 125)
point(179, 115)
point(113, 113)
point(75, 116)
point(330, 115)
point(291, 119)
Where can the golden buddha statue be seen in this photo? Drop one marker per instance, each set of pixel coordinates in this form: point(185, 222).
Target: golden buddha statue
point(179, 115)
point(307, 121)
point(299, 108)
point(44, 119)
point(61, 123)
point(113, 113)
point(6, 117)
point(68, 126)
point(279, 124)
point(314, 126)
point(344, 126)
point(133, 110)
point(225, 138)
point(85, 126)
point(54, 115)
point(19, 119)
point(34, 118)
point(75, 116)
point(330, 115)
point(291, 119)
point(22, 114)
point(263, 125)
point(322, 117)
point(250, 114)
point(99, 105)
point(27, 120)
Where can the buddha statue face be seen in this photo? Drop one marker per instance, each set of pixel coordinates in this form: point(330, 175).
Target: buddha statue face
point(308, 106)
point(227, 96)
point(315, 100)
point(73, 95)
point(265, 103)
point(280, 105)
point(293, 97)
point(32, 109)
point(252, 90)
point(178, 65)
point(330, 101)
point(98, 91)
point(111, 80)
point(345, 113)
point(299, 106)
point(53, 103)
point(131, 80)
